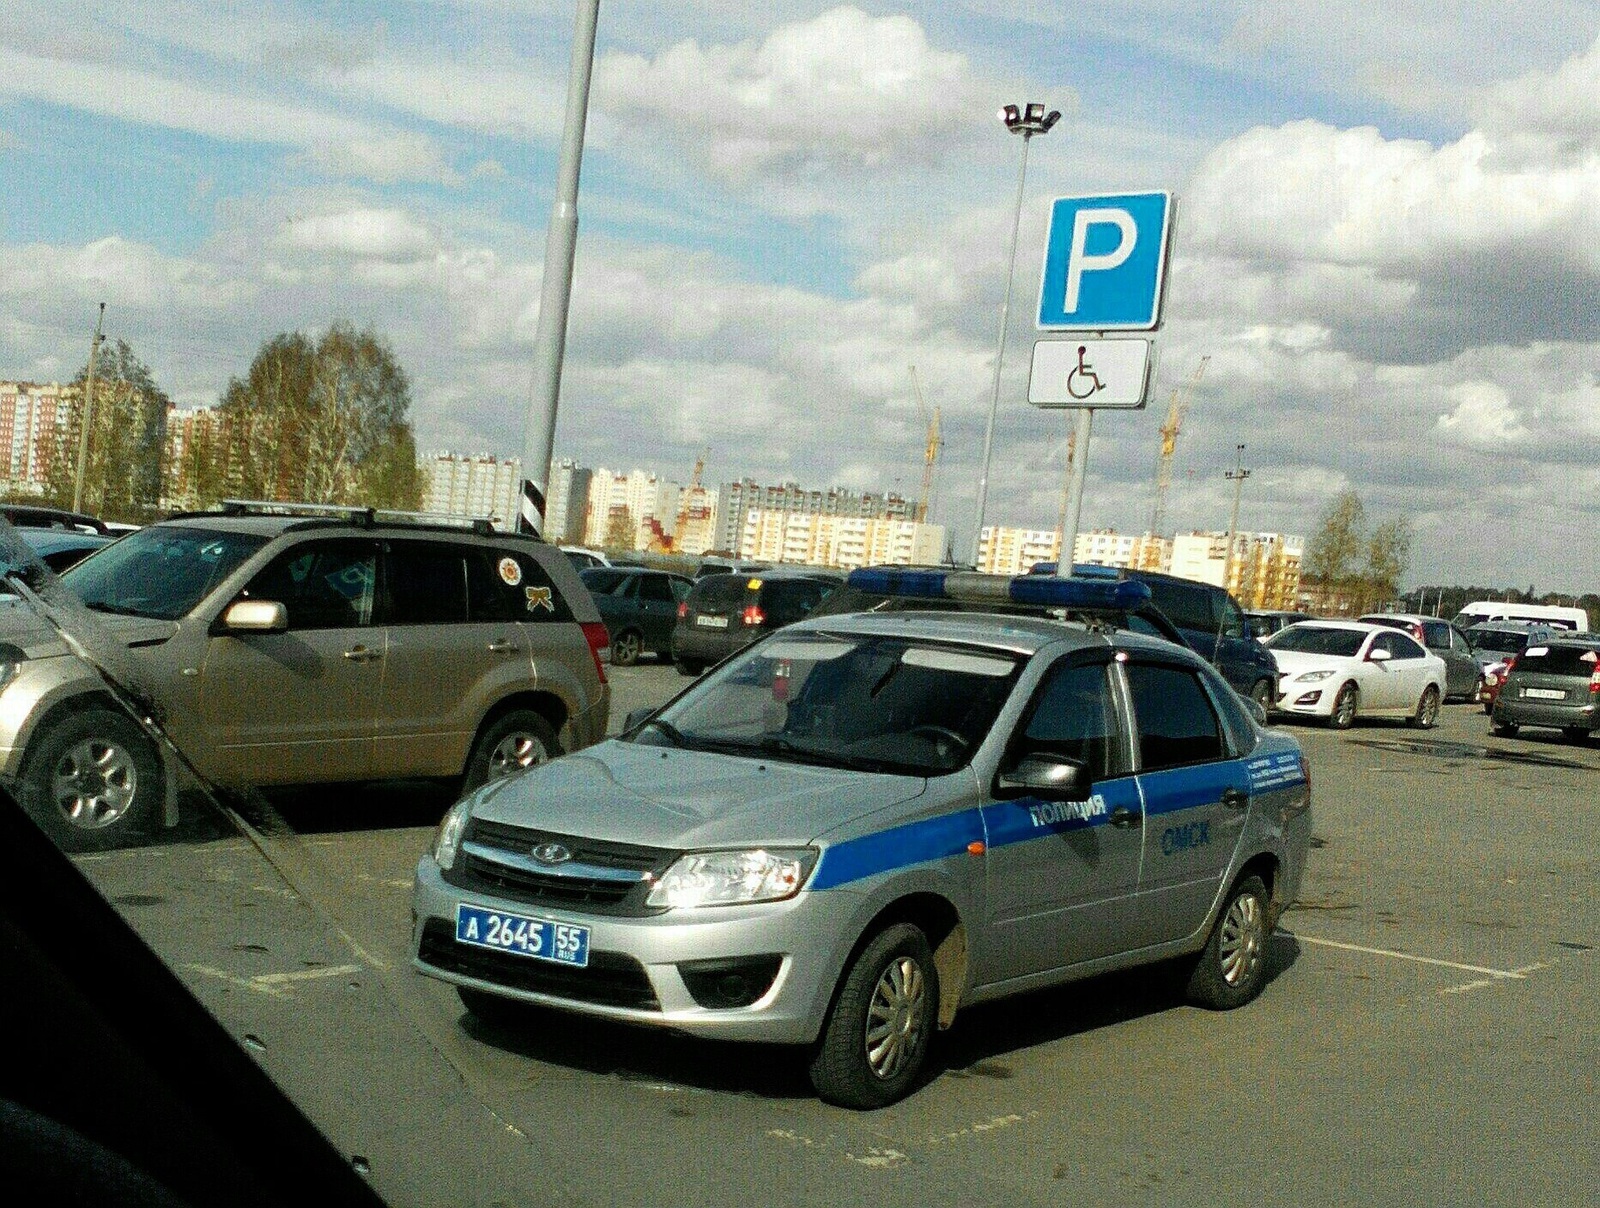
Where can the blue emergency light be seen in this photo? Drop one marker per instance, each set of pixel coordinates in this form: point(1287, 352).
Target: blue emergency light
point(1037, 591)
point(1080, 570)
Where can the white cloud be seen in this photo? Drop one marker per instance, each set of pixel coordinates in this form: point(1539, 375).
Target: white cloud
point(384, 159)
point(843, 91)
point(1483, 415)
point(365, 233)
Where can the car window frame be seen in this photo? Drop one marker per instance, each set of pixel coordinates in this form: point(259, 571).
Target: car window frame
point(1150, 659)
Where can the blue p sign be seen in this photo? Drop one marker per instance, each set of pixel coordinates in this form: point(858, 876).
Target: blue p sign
point(1105, 262)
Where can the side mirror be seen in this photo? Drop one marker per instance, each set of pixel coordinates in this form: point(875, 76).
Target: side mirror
point(1055, 777)
point(1378, 656)
point(638, 717)
point(255, 616)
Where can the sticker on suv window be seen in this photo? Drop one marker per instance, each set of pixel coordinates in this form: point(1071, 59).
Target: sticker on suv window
point(539, 597)
point(511, 571)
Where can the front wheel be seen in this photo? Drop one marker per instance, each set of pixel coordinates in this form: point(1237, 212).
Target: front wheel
point(1232, 968)
point(518, 740)
point(93, 781)
point(689, 667)
point(1344, 707)
point(1261, 693)
point(1427, 711)
point(1575, 733)
point(1504, 729)
point(876, 1038)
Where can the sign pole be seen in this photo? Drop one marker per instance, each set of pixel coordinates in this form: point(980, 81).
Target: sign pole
point(1080, 472)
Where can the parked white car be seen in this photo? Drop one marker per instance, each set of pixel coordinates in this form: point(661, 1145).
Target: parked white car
point(1334, 669)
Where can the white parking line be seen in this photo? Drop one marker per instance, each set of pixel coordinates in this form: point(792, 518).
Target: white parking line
point(275, 979)
point(274, 985)
point(1492, 974)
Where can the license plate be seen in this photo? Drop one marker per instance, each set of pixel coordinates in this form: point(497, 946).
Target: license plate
point(712, 622)
point(541, 939)
point(1544, 693)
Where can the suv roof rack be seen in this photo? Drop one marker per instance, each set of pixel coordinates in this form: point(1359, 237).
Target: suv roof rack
point(365, 517)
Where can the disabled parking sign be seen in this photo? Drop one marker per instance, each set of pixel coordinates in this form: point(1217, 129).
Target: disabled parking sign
point(1105, 262)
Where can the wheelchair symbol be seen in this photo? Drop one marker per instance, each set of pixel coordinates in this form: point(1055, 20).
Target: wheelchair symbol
point(1083, 382)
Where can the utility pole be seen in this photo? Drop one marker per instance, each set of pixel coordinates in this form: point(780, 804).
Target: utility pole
point(561, 243)
point(1237, 475)
point(86, 413)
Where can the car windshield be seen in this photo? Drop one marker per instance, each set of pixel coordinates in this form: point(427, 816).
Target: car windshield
point(1500, 641)
point(869, 703)
point(159, 572)
point(1307, 639)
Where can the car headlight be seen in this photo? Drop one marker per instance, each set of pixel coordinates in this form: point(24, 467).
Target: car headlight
point(448, 841)
point(1312, 677)
point(726, 878)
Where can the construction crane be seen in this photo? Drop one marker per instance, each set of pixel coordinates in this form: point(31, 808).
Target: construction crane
point(930, 452)
point(1169, 443)
point(687, 497)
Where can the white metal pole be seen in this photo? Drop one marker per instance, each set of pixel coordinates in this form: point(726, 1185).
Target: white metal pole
point(561, 242)
point(1080, 473)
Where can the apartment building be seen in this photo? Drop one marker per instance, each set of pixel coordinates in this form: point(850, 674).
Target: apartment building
point(474, 484)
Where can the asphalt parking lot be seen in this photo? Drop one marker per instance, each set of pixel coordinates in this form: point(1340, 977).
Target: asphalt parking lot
point(1428, 1036)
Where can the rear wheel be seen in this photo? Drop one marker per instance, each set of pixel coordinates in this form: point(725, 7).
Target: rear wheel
point(1232, 968)
point(626, 647)
point(1261, 693)
point(876, 1038)
point(1344, 707)
point(690, 667)
point(1504, 729)
point(1575, 734)
point(508, 744)
point(93, 781)
point(1427, 711)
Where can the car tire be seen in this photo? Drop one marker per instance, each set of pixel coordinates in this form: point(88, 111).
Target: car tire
point(1344, 707)
point(93, 781)
point(890, 993)
point(689, 667)
point(1232, 967)
point(494, 1010)
point(1261, 693)
point(626, 648)
point(519, 739)
point(1576, 734)
point(1427, 711)
point(1504, 729)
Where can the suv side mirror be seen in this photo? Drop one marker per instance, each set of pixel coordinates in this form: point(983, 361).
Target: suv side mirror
point(255, 616)
point(1055, 777)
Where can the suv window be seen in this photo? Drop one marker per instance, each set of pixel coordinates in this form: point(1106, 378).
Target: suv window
point(426, 585)
point(323, 584)
point(1436, 635)
point(1187, 605)
point(161, 571)
point(486, 588)
point(1558, 659)
point(719, 593)
point(1072, 717)
point(602, 581)
point(788, 601)
point(655, 587)
point(1177, 725)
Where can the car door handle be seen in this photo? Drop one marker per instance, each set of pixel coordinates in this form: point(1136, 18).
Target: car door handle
point(1235, 798)
point(360, 654)
point(502, 646)
point(1124, 817)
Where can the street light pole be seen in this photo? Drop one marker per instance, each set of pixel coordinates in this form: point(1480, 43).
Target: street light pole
point(1027, 121)
point(1237, 475)
point(86, 413)
point(561, 242)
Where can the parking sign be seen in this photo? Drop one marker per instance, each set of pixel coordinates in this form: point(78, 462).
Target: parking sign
point(1105, 262)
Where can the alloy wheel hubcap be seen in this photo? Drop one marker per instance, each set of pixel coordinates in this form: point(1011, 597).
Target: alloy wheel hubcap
point(894, 1018)
point(514, 752)
point(1243, 938)
point(94, 784)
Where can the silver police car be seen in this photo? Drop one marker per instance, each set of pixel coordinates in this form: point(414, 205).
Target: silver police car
point(865, 822)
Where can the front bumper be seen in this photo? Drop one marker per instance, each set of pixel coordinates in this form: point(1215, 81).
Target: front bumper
point(635, 970)
point(1306, 700)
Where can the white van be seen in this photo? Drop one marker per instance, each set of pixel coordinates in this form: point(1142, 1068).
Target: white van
point(1480, 611)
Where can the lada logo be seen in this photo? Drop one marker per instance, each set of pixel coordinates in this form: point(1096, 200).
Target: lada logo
point(551, 853)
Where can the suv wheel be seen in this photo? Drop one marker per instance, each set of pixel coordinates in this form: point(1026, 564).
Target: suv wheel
point(1261, 693)
point(877, 1034)
point(520, 739)
point(1232, 968)
point(690, 667)
point(93, 781)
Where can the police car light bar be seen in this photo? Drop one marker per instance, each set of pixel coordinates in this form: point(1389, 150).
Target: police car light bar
point(1038, 591)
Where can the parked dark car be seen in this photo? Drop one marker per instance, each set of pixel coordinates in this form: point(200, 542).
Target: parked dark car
point(60, 548)
point(1553, 684)
point(726, 612)
point(1464, 676)
point(639, 607)
point(1265, 622)
point(1211, 622)
point(22, 515)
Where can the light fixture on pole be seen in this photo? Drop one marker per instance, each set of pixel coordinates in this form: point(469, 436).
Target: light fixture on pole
point(1027, 121)
point(1237, 475)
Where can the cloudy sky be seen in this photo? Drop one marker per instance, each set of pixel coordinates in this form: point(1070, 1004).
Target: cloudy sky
point(1389, 243)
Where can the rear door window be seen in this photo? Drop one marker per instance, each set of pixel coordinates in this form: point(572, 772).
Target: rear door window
point(426, 585)
point(719, 594)
point(1177, 724)
point(655, 588)
point(1188, 606)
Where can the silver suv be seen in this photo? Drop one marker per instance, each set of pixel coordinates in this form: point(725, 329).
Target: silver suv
point(285, 644)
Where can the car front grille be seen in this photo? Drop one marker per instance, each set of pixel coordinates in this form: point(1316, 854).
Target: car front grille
point(598, 878)
point(610, 979)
